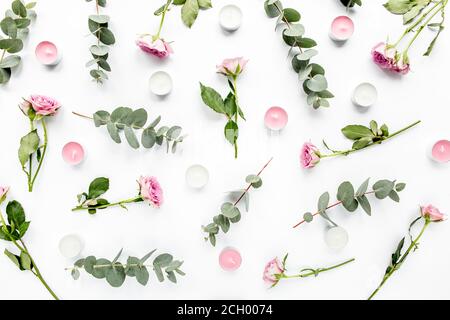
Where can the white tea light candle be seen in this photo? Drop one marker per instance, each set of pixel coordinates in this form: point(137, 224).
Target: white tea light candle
point(336, 238)
point(230, 17)
point(48, 53)
point(365, 95)
point(197, 176)
point(342, 28)
point(70, 246)
point(161, 83)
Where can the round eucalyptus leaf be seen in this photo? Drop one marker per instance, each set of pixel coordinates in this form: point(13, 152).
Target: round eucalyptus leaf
point(116, 275)
point(100, 268)
point(99, 50)
point(318, 83)
point(101, 19)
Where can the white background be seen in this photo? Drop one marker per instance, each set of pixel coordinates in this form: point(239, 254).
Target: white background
point(288, 191)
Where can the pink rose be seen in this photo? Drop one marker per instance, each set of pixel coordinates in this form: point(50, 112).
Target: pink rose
point(159, 48)
point(401, 67)
point(43, 106)
point(383, 57)
point(232, 67)
point(272, 269)
point(3, 193)
point(309, 155)
point(151, 191)
point(432, 213)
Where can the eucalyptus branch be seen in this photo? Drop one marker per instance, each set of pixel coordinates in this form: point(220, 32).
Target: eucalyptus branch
point(15, 27)
point(128, 120)
point(99, 27)
point(115, 272)
point(230, 212)
point(351, 199)
point(14, 233)
point(312, 75)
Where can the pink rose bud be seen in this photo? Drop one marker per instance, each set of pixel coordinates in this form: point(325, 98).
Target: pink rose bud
point(44, 106)
point(309, 156)
point(432, 213)
point(232, 67)
point(25, 107)
point(272, 269)
point(151, 191)
point(159, 48)
point(3, 193)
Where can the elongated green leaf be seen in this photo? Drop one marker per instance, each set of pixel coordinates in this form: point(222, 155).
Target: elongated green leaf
point(98, 187)
point(212, 99)
point(28, 146)
point(189, 12)
point(355, 132)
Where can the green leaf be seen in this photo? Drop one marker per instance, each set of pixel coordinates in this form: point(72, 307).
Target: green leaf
point(399, 6)
point(324, 200)
point(383, 188)
point(101, 118)
point(384, 129)
point(365, 204)
point(145, 258)
point(106, 36)
point(148, 138)
point(98, 187)
point(19, 9)
point(308, 217)
point(231, 131)
point(116, 275)
point(229, 210)
point(173, 133)
point(113, 132)
point(22, 23)
point(318, 83)
point(28, 146)
point(75, 273)
point(362, 143)
point(189, 12)
point(363, 188)
point(103, 64)
point(230, 105)
point(11, 45)
point(400, 187)
point(5, 75)
point(99, 50)
point(10, 62)
point(89, 263)
point(15, 213)
point(304, 73)
point(394, 196)
point(100, 19)
point(117, 256)
point(252, 178)
point(212, 99)
point(273, 8)
point(307, 55)
point(137, 118)
point(131, 138)
point(291, 15)
point(204, 4)
point(295, 30)
point(306, 43)
point(142, 275)
point(346, 193)
point(99, 270)
point(9, 27)
point(30, 5)
point(13, 258)
point(355, 132)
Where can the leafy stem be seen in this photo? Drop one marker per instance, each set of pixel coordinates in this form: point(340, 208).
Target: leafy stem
point(398, 259)
point(41, 160)
point(163, 16)
point(315, 272)
point(104, 206)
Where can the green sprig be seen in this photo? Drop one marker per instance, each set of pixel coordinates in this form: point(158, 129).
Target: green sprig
point(350, 199)
point(229, 211)
point(351, 3)
point(126, 120)
point(14, 231)
point(189, 9)
point(115, 272)
point(15, 27)
point(99, 27)
point(311, 75)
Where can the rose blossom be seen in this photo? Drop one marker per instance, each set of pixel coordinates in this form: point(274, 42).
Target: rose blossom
point(273, 268)
point(159, 48)
point(151, 191)
point(401, 67)
point(232, 67)
point(3, 193)
point(432, 213)
point(309, 155)
point(43, 105)
point(382, 56)
point(25, 107)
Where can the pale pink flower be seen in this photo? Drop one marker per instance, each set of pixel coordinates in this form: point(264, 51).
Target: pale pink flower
point(151, 191)
point(3, 193)
point(158, 47)
point(383, 56)
point(432, 213)
point(25, 107)
point(232, 67)
point(272, 269)
point(309, 156)
point(401, 67)
point(43, 105)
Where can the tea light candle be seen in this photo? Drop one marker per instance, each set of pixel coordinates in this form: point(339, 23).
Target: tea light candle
point(342, 28)
point(70, 246)
point(276, 118)
point(161, 83)
point(230, 259)
point(230, 17)
point(441, 151)
point(365, 95)
point(336, 238)
point(73, 153)
point(47, 53)
point(197, 176)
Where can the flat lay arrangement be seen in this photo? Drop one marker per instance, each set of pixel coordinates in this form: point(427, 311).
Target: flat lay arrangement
point(214, 96)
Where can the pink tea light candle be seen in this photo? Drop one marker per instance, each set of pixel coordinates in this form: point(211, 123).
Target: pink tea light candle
point(276, 118)
point(230, 259)
point(441, 151)
point(342, 28)
point(47, 53)
point(73, 153)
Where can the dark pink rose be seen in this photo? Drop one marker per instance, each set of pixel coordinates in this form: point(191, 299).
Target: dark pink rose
point(159, 48)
